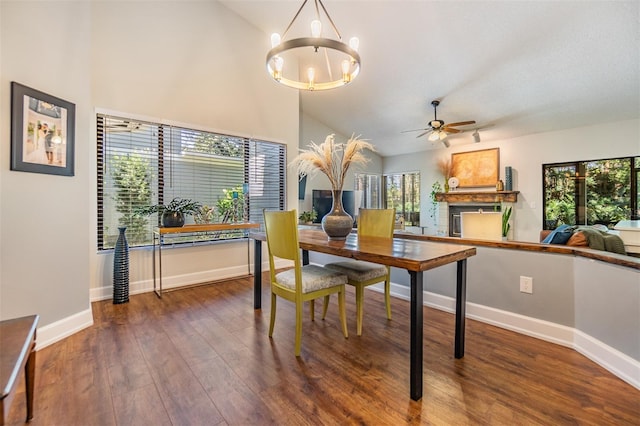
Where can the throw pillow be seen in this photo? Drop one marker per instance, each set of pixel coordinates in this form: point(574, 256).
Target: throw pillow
point(614, 244)
point(578, 239)
point(594, 237)
point(560, 235)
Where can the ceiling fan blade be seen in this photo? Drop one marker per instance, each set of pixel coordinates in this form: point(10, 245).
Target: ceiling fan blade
point(423, 133)
point(451, 130)
point(460, 123)
point(414, 130)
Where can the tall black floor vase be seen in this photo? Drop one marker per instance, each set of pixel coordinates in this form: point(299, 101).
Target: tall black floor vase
point(121, 269)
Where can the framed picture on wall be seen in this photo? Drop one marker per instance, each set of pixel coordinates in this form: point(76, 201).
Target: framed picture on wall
point(42, 132)
point(476, 168)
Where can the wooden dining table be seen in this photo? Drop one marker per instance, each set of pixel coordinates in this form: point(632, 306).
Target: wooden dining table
point(412, 255)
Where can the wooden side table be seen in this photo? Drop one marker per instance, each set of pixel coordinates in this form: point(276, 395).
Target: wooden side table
point(17, 351)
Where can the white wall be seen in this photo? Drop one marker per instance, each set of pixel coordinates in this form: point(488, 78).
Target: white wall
point(193, 63)
point(45, 219)
point(197, 64)
point(526, 155)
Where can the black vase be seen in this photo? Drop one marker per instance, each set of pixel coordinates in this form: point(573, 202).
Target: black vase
point(337, 224)
point(172, 219)
point(508, 178)
point(121, 269)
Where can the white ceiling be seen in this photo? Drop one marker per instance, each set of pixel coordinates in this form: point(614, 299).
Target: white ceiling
point(515, 67)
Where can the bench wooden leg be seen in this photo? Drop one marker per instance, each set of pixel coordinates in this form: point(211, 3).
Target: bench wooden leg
point(30, 372)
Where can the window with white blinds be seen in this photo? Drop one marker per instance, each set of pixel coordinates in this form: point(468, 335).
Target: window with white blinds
point(369, 187)
point(144, 163)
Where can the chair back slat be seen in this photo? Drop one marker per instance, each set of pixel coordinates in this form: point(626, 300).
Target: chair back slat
point(282, 234)
point(376, 222)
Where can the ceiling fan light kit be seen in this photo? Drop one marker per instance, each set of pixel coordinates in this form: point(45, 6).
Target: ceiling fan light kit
point(341, 58)
point(438, 130)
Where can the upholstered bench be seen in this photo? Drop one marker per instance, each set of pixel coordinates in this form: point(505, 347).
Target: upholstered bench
point(594, 237)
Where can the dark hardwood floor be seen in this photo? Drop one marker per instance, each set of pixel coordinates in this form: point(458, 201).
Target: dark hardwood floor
point(202, 356)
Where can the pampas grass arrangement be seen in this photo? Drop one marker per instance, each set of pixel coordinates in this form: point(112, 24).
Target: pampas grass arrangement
point(331, 158)
point(444, 166)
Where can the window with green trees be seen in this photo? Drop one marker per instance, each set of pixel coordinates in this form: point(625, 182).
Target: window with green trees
point(591, 192)
point(144, 163)
point(402, 192)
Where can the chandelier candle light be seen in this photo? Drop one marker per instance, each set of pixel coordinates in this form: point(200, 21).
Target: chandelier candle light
point(338, 57)
point(334, 161)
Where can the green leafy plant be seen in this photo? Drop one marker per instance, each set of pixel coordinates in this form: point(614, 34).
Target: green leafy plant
point(505, 221)
point(435, 188)
point(206, 214)
point(230, 209)
point(307, 217)
point(177, 205)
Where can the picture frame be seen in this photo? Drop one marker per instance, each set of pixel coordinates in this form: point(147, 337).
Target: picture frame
point(42, 132)
point(476, 169)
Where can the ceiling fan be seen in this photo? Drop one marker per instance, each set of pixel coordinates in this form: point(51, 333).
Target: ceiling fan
point(122, 126)
point(438, 129)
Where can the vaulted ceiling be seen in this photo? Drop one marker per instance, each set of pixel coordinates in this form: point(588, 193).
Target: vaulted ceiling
point(515, 67)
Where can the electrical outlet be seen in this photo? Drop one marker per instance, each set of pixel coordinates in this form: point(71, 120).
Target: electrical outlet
point(526, 284)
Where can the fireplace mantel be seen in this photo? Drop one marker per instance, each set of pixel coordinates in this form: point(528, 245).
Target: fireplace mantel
point(478, 196)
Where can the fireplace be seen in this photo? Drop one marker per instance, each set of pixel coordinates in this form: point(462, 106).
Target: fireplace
point(455, 226)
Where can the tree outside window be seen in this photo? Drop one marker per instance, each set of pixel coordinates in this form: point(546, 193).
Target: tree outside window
point(590, 192)
point(402, 192)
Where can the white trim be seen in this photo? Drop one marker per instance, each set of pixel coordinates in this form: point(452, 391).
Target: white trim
point(622, 365)
point(56, 331)
point(176, 281)
point(616, 362)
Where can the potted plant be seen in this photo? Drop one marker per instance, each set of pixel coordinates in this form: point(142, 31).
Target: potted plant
point(505, 222)
point(206, 214)
point(307, 218)
point(173, 213)
point(231, 205)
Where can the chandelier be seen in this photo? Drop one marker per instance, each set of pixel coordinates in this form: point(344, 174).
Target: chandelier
point(323, 63)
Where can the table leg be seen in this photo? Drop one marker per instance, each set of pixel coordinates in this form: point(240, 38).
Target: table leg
point(257, 274)
point(415, 371)
point(305, 257)
point(461, 301)
point(153, 265)
point(30, 372)
point(157, 292)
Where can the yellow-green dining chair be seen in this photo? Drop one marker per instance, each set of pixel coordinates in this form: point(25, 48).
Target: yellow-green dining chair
point(371, 223)
point(302, 283)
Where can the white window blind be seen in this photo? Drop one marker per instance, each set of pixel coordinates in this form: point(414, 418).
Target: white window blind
point(369, 189)
point(143, 163)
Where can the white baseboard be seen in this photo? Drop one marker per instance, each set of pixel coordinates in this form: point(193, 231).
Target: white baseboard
point(623, 366)
point(619, 364)
point(56, 331)
point(177, 281)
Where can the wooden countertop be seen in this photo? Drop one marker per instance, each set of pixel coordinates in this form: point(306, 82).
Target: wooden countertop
point(604, 256)
point(206, 227)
